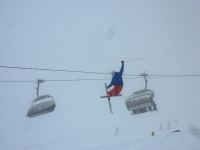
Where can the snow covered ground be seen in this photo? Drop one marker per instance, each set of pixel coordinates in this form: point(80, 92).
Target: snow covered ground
point(129, 137)
point(165, 140)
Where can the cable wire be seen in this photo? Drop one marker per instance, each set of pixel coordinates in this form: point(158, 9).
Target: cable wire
point(137, 76)
point(69, 80)
point(49, 69)
point(151, 77)
point(192, 75)
point(58, 70)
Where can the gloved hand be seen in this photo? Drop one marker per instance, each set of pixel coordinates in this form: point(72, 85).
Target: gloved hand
point(122, 62)
point(107, 87)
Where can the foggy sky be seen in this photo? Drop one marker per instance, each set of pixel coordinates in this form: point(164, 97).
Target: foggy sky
point(94, 36)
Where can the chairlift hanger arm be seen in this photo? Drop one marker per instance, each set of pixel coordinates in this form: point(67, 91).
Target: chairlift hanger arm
point(38, 83)
point(42, 96)
point(145, 78)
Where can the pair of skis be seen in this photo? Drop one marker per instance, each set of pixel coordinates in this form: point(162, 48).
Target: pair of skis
point(107, 96)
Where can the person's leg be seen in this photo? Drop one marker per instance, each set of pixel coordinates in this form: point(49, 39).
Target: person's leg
point(112, 92)
point(118, 90)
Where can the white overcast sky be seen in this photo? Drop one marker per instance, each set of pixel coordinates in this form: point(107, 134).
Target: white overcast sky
point(94, 36)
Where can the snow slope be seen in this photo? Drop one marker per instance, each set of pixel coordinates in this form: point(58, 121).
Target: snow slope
point(131, 136)
point(162, 140)
point(165, 141)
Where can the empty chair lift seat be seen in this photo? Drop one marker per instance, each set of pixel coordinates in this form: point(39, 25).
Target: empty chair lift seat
point(141, 101)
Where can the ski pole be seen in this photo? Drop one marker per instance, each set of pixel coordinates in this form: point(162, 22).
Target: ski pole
point(133, 60)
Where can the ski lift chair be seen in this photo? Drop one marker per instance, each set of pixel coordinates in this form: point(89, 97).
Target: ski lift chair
point(43, 107)
point(141, 101)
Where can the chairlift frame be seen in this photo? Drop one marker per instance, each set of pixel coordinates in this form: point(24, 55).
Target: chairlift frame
point(141, 101)
point(41, 108)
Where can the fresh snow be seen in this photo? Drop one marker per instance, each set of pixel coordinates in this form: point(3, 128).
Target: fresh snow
point(132, 136)
point(162, 140)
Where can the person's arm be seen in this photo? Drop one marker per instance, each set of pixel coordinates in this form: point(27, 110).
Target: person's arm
point(111, 84)
point(122, 68)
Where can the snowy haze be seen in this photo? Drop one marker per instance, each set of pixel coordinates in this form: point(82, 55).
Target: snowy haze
point(94, 36)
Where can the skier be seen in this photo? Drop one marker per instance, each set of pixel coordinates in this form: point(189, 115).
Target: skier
point(116, 81)
point(117, 130)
